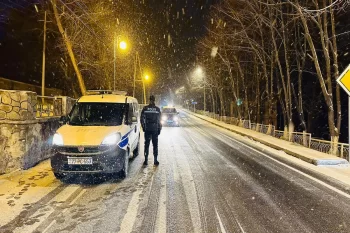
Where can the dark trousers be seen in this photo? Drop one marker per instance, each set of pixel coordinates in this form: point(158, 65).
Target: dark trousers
point(151, 135)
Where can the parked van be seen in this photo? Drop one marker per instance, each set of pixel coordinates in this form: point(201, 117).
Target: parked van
point(100, 135)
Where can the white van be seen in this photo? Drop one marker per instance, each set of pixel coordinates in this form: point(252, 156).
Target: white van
point(100, 135)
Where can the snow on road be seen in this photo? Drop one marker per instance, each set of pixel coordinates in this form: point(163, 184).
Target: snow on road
point(207, 182)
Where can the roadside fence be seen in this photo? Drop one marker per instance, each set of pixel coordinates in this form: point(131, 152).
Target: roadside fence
point(300, 138)
point(56, 106)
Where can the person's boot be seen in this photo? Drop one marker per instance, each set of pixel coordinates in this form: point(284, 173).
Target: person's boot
point(156, 161)
point(145, 163)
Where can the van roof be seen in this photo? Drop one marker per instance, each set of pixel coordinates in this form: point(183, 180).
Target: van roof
point(107, 98)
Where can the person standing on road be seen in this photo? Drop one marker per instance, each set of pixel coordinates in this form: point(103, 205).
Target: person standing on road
point(151, 125)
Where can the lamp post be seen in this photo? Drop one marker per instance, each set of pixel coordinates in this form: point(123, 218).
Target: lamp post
point(199, 77)
point(122, 45)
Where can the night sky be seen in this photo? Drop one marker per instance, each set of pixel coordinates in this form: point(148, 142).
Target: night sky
point(166, 33)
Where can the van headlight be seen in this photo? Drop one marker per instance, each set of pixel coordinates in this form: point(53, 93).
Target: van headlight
point(164, 118)
point(111, 140)
point(176, 118)
point(57, 140)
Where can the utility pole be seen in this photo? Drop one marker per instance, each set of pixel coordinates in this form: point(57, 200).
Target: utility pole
point(43, 66)
point(135, 72)
point(114, 58)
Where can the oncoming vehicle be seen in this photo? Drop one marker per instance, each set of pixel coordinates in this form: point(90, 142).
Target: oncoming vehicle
point(170, 116)
point(100, 135)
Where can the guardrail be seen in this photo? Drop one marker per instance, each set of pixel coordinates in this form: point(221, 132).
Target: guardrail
point(301, 138)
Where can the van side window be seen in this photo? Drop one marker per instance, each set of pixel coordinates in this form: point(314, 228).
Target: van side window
point(136, 110)
point(130, 113)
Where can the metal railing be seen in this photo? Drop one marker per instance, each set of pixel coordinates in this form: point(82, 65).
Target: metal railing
point(48, 106)
point(301, 138)
point(339, 149)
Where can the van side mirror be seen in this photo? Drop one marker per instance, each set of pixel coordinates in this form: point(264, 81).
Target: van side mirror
point(63, 120)
point(134, 119)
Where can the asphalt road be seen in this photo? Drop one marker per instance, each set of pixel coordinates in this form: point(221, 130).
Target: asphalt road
point(207, 181)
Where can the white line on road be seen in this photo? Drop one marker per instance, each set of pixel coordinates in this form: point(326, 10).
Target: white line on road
point(77, 197)
point(189, 188)
point(130, 216)
point(292, 168)
point(74, 189)
point(161, 216)
point(65, 210)
point(222, 228)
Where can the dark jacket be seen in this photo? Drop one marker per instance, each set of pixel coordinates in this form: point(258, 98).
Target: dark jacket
point(150, 118)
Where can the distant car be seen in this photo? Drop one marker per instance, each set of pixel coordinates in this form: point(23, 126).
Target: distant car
point(170, 116)
point(99, 136)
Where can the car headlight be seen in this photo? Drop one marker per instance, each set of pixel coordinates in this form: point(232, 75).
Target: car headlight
point(164, 118)
point(112, 139)
point(57, 140)
point(176, 118)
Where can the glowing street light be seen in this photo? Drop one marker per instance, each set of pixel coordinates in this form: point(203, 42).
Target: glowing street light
point(123, 45)
point(147, 77)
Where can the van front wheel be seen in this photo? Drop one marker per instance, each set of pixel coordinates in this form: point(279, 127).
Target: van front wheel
point(124, 171)
point(59, 176)
point(136, 151)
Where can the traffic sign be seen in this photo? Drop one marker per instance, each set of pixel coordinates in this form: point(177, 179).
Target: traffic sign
point(344, 80)
point(194, 103)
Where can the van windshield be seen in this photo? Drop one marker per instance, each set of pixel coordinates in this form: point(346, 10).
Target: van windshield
point(97, 114)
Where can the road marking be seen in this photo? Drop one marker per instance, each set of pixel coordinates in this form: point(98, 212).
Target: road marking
point(61, 197)
point(189, 188)
point(161, 216)
point(130, 216)
point(77, 197)
point(65, 210)
point(292, 168)
point(222, 228)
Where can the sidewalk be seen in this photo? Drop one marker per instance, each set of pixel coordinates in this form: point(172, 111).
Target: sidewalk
point(308, 155)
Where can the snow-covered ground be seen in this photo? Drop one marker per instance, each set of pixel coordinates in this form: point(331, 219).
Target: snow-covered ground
point(209, 180)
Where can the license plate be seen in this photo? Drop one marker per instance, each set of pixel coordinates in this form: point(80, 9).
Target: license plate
point(79, 161)
point(170, 121)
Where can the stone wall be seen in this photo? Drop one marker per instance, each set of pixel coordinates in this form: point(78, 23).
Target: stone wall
point(17, 105)
point(25, 143)
point(24, 139)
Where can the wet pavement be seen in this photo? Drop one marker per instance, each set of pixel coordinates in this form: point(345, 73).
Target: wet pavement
point(207, 181)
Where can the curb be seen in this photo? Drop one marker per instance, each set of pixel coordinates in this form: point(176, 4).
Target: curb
point(317, 162)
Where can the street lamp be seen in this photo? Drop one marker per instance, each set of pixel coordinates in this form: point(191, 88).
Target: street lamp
point(117, 44)
point(199, 76)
